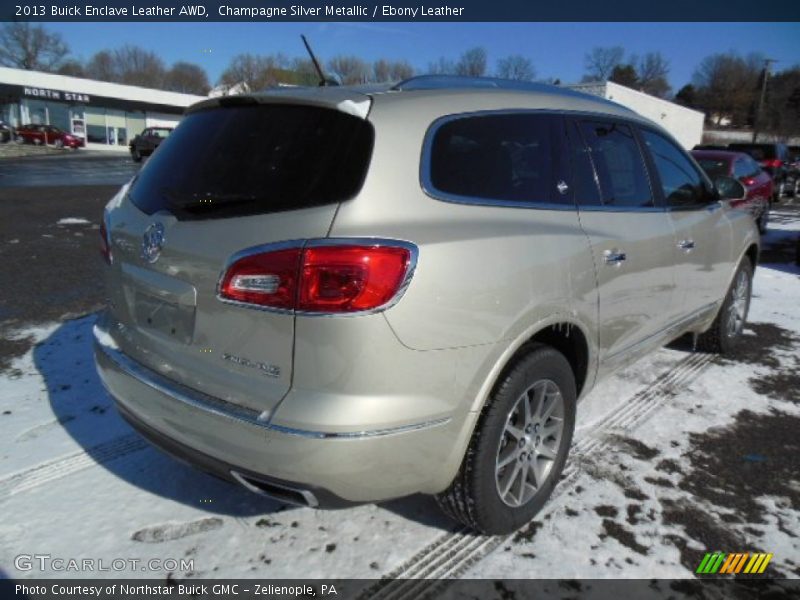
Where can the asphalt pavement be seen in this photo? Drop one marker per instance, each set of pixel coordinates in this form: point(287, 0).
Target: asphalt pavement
point(79, 168)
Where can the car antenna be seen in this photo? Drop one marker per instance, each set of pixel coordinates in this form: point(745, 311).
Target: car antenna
point(323, 81)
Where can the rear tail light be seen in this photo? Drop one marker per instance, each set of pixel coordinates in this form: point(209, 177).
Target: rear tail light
point(105, 241)
point(748, 180)
point(337, 277)
point(774, 163)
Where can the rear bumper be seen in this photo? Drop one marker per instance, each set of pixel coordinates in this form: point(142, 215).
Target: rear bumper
point(234, 443)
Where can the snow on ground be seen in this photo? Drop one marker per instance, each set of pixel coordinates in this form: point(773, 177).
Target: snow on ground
point(73, 221)
point(680, 454)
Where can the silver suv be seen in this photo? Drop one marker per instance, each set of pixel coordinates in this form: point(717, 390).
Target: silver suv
point(343, 295)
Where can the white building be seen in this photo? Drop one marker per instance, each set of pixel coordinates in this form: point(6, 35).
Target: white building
point(105, 114)
point(685, 124)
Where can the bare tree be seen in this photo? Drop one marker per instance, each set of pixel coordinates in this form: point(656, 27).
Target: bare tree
point(386, 70)
point(652, 70)
point(516, 67)
point(31, 47)
point(625, 75)
point(781, 115)
point(349, 69)
point(401, 70)
point(727, 86)
point(256, 72)
point(600, 62)
point(304, 72)
point(472, 63)
point(101, 67)
point(71, 67)
point(442, 66)
point(136, 66)
point(187, 78)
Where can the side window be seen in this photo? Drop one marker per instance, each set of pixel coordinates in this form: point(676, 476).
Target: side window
point(505, 157)
point(741, 168)
point(682, 183)
point(584, 180)
point(618, 163)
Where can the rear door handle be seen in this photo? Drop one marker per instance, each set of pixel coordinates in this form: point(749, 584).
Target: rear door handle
point(614, 257)
point(686, 245)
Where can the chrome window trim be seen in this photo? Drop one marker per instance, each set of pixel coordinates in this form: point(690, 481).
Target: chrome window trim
point(317, 243)
point(428, 188)
point(228, 410)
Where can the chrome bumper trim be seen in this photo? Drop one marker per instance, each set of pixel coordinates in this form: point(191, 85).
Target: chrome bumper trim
point(228, 410)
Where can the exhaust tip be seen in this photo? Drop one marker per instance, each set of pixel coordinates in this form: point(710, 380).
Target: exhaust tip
point(277, 491)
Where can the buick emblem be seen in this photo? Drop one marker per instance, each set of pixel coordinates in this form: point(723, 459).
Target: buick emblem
point(152, 242)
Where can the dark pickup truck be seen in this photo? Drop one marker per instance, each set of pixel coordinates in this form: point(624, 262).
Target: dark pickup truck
point(146, 142)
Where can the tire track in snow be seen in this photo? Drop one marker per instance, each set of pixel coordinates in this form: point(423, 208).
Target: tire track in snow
point(44, 473)
point(455, 552)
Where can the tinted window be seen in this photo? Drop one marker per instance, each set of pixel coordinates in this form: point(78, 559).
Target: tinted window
point(682, 184)
point(584, 181)
point(619, 164)
point(496, 157)
point(229, 162)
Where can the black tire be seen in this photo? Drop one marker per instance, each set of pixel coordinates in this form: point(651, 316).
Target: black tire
point(136, 155)
point(720, 339)
point(58, 143)
point(474, 497)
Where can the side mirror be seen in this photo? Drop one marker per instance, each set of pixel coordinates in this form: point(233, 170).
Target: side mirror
point(729, 189)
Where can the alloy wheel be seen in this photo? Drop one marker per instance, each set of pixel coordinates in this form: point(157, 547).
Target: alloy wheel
point(740, 300)
point(529, 443)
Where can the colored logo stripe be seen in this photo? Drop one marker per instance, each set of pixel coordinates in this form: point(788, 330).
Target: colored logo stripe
point(720, 562)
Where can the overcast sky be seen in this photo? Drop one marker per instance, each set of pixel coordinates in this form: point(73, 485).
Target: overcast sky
point(556, 49)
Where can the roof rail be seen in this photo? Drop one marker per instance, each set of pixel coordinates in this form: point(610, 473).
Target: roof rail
point(438, 82)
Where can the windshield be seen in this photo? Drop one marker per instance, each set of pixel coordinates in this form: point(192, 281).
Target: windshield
point(255, 159)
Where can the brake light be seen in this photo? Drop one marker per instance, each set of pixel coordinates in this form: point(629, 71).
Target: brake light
point(105, 241)
point(774, 163)
point(331, 278)
point(748, 181)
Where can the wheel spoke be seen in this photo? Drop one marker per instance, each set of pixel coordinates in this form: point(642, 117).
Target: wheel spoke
point(537, 476)
point(510, 454)
point(523, 478)
point(515, 431)
point(510, 481)
point(546, 452)
point(539, 396)
point(526, 404)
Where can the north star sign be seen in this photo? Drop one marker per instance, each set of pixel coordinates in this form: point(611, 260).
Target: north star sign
point(55, 94)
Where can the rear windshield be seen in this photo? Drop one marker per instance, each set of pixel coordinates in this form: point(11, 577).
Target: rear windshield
point(255, 159)
point(714, 167)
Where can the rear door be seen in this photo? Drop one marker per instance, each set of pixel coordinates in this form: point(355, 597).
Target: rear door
point(631, 238)
point(227, 179)
point(702, 246)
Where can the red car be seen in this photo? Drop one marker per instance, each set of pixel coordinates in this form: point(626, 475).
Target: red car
point(743, 167)
point(47, 134)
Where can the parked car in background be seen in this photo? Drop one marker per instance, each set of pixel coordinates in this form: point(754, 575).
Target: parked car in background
point(742, 167)
point(774, 159)
point(146, 142)
point(48, 134)
point(303, 302)
point(6, 132)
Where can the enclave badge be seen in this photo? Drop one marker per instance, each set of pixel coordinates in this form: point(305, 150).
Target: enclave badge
point(152, 242)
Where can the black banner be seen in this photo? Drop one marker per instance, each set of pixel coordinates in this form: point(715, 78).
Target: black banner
point(398, 10)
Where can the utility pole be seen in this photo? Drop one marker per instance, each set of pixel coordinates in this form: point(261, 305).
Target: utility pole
point(760, 110)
